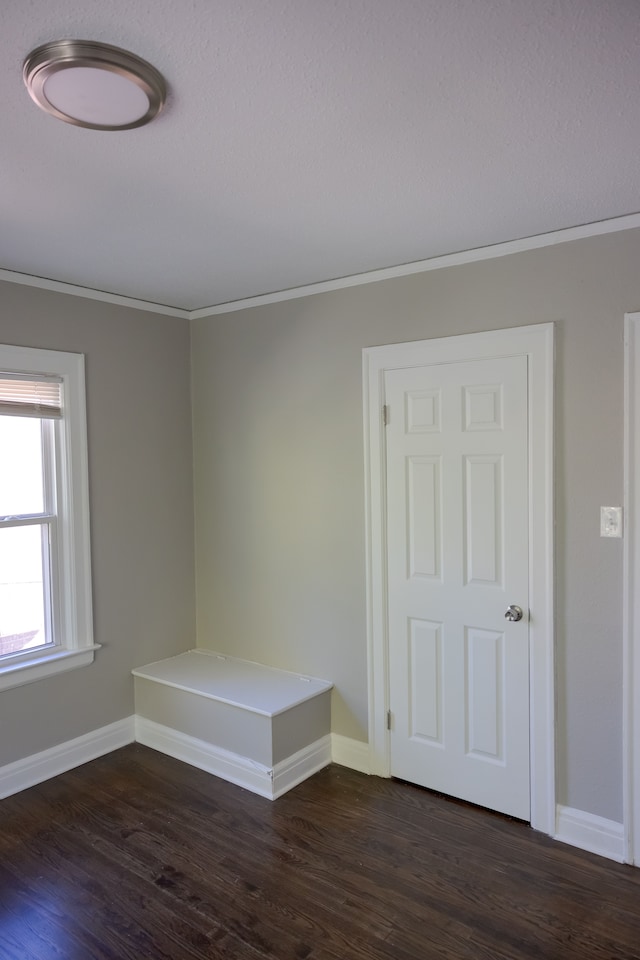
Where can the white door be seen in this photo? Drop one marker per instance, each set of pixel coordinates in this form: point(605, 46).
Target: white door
point(457, 559)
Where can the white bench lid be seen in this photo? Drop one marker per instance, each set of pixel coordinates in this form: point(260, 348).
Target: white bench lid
point(252, 686)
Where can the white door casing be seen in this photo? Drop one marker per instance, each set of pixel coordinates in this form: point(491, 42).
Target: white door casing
point(631, 588)
point(457, 556)
point(535, 344)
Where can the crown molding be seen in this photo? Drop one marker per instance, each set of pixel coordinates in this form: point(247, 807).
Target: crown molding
point(614, 225)
point(58, 286)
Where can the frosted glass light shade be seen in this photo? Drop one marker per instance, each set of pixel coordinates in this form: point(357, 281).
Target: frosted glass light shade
point(96, 96)
point(94, 85)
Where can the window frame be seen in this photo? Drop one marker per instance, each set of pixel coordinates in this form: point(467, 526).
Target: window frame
point(71, 593)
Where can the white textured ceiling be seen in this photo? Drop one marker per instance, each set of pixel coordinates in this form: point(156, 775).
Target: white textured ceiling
point(306, 140)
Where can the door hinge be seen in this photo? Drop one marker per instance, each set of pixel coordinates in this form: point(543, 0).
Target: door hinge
point(388, 719)
point(385, 415)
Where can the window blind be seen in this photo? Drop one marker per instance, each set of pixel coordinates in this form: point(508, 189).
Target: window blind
point(23, 395)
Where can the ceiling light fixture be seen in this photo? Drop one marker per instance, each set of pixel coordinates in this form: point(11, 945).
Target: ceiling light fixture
point(94, 84)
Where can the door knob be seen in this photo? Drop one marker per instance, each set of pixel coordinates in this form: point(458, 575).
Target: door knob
point(514, 613)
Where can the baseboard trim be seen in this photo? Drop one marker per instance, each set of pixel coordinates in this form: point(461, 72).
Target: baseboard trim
point(301, 765)
point(25, 773)
point(575, 827)
point(268, 782)
point(589, 832)
point(222, 763)
point(350, 753)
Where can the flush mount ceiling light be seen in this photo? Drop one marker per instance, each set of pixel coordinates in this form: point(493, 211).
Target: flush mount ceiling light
point(94, 84)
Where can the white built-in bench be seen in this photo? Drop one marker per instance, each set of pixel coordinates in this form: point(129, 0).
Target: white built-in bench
point(261, 728)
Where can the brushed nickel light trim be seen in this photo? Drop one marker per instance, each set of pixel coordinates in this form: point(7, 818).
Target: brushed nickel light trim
point(48, 60)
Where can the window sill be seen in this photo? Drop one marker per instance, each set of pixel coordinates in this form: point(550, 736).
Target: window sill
point(46, 665)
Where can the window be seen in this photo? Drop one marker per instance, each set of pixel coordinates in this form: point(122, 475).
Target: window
point(46, 621)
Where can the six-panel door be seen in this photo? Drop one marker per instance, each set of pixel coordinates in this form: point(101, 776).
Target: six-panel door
point(457, 558)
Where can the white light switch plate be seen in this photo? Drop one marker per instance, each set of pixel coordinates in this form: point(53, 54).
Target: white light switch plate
point(610, 521)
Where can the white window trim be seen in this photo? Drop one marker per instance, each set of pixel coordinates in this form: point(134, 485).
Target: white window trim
point(74, 640)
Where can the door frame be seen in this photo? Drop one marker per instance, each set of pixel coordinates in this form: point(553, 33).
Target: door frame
point(631, 593)
point(537, 343)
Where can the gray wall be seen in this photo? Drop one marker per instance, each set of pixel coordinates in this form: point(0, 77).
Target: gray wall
point(279, 485)
point(279, 476)
point(140, 486)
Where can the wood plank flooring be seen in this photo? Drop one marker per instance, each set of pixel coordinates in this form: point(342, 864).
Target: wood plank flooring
point(139, 857)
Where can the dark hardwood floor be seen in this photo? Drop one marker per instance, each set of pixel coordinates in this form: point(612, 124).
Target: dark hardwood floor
point(139, 857)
